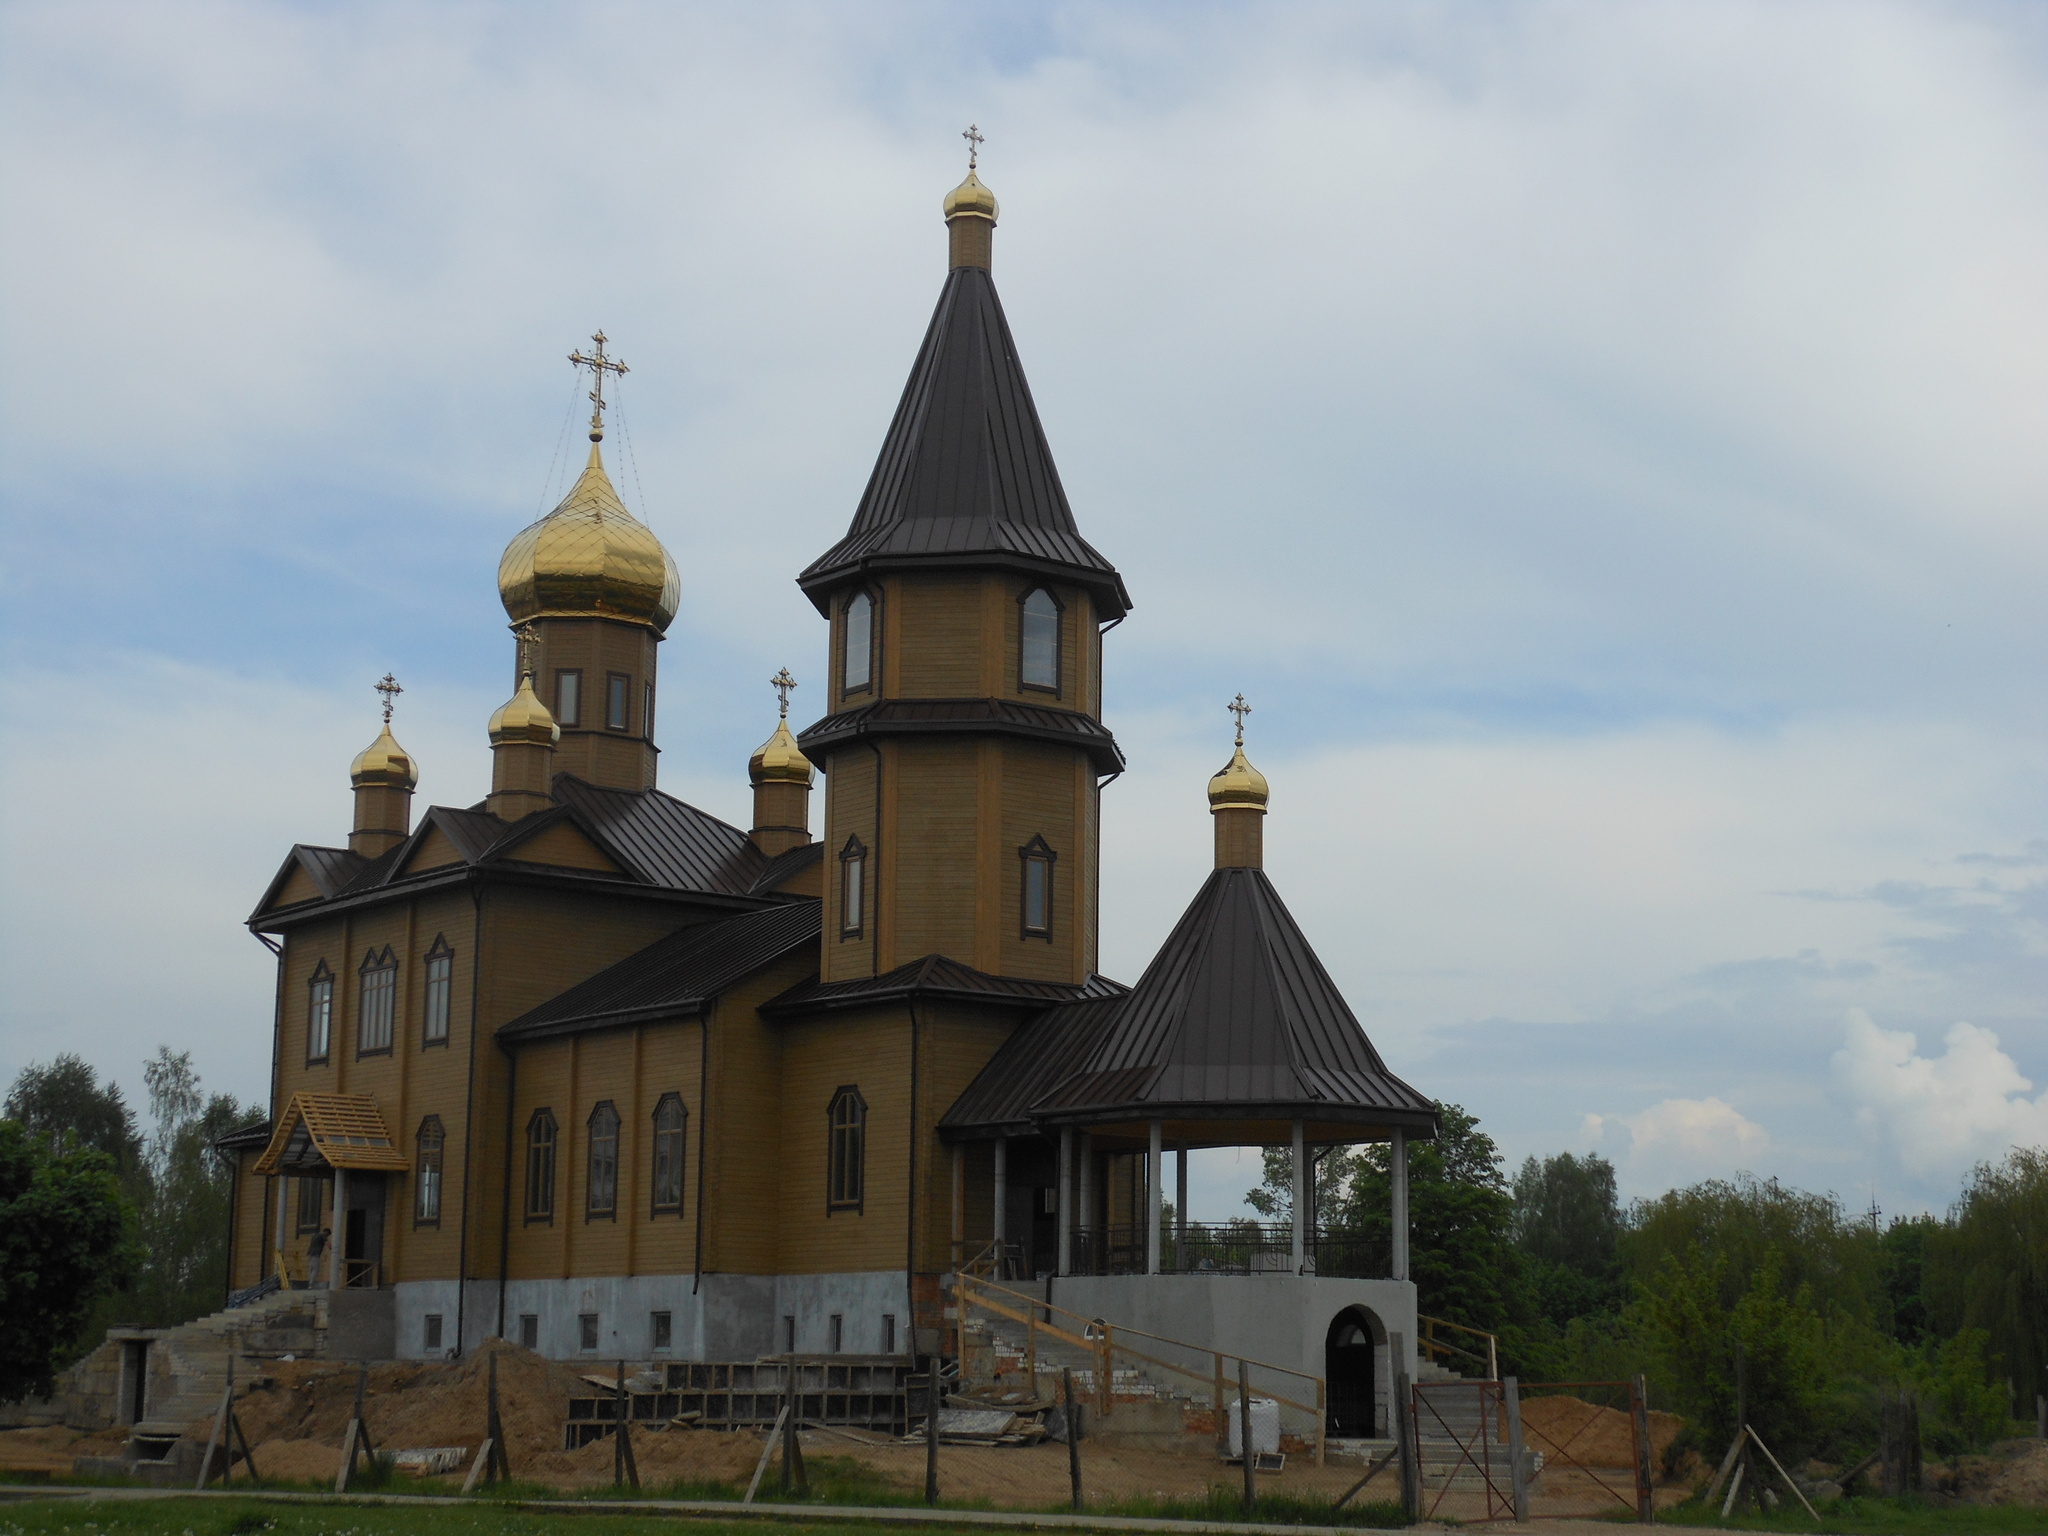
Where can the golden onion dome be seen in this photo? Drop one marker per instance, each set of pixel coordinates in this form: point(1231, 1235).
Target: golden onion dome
point(779, 760)
point(971, 197)
point(524, 718)
point(1238, 786)
point(385, 762)
point(590, 558)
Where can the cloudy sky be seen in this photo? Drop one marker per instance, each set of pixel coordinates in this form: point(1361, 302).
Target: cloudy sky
point(1605, 442)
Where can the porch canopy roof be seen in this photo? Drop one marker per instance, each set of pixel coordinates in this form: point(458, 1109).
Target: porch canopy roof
point(319, 1131)
point(1234, 1032)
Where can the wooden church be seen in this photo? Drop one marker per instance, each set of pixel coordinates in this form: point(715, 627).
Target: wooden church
point(588, 1068)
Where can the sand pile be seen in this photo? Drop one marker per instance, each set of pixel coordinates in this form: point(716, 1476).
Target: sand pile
point(297, 1461)
point(2016, 1472)
point(44, 1448)
point(664, 1457)
point(1568, 1428)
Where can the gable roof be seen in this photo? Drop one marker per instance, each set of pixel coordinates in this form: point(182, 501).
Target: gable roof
point(676, 977)
point(327, 870)
point(1234, 1018)
point(965, 475)
point(333, 1130)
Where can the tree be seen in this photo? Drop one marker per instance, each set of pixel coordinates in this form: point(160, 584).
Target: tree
point(66, 1101)
point(1988, 1268)
point(63, 1244)
point(1567, 1223)
point(185, 1215)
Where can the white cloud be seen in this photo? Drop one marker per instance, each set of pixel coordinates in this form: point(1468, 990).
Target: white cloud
point(1680, 1141)
point(1939, 1114)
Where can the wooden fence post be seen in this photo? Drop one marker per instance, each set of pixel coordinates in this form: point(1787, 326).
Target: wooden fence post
point(1639, 1425)
point(1073, 1437)
point(1244, 1434)
point(932, 1398)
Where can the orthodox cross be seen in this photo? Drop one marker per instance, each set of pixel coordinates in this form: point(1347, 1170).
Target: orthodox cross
point(975, 140)
point(1239, 708)
point(526, 636)
point(782, 682)
point(390, 689)
point(599, 366)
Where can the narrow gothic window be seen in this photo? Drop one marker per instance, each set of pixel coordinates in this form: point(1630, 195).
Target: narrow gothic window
point(379, 975)
point(540, 1166)
point(616, 685)
point(1037, 888)
point(1039, 640)
point(847, 1122)
point(312, 1203)
point(602, 1190)
point(440, 987)
point(568, 698)
point(859, 667)
point(670, 1122)
point(647, 710)
point(853, 860)
point(319, 1013)
point(426, 1210)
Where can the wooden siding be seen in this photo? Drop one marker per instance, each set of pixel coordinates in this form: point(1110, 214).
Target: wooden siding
point(566, 847)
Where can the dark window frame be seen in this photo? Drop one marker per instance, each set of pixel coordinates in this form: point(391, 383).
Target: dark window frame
point(301, 1225)
point(543, 1140)
point(853, 865)
point(601, 1125)
point(431, 1330)
point(661, 1332)
point(846, 1151)
point(430, 1145)
point(647, 709)
point(618, 689)
point(1038, 851)
point(441, 956)
point(1057, 687)
point(569, 717)
point(382, 964)
point(673, 1142)
point(320, 1005)
point(529, 1330)
point(874, 600)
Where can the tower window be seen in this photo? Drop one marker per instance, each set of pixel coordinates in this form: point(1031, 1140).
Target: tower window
point(615, 686)
point(440, 987)
point(569, 698)
point(601, 1191)
point(847, 1132)
point(426, 1206)
point(1037, 856)
point(858, 669)
point(853, 860)
point(647, 710)
point(374, 1007)
point(671, 1120)
point(1038, 634)
point(319, 1013)
point(540, 1166)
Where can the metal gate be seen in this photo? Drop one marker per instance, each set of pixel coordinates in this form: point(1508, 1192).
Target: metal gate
point(1587, 1447)
point(1461, 1452)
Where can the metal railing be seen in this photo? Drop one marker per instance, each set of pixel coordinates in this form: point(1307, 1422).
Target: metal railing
point(1441, 1350)
point(1232, 1248)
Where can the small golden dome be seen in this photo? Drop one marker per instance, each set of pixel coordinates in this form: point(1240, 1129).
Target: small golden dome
point(589, 558)
point(971, 198)
point(384, 762)
point(779, 760)
point(524, 718)
point(1238, 786)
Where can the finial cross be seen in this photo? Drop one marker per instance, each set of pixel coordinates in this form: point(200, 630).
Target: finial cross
point(975, 140)
point(390, 690)
point(527, 637)
point(782, 682)
point(599, 365)
point(1239, 708)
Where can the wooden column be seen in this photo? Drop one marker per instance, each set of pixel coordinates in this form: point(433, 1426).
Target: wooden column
point(337, 1231)
point(1400, 1203)
point(1154, 1167)
point(283, 1184)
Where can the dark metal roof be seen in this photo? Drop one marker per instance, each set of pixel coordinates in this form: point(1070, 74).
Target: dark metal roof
point(980, 717)
point(662, 840)
point(1234, 1018)
point(675, 977)
point(785, 865)
point(965, 475)
point(244, 1138)
point(933, 976)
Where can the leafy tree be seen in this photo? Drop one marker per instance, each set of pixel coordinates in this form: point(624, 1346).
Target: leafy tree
point(65, 1100)
point(63, 1244)
point(1567, 1223)
point(184, 1219)
point(1988, 1268)
point(1903, 1273)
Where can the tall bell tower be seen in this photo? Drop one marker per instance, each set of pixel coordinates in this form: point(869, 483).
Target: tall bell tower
point(963, 743)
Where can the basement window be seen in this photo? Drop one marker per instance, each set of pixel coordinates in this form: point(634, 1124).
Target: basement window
point(835, 1333)
point(430, 1333)
point(888, 1333)
point(664, 1330)
point(529, 1330)
point(586, 1332)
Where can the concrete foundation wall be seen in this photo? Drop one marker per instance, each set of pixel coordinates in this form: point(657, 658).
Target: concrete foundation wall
point(720, 1317)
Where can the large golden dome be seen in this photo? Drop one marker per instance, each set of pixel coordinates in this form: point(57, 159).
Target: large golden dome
point(589, 558)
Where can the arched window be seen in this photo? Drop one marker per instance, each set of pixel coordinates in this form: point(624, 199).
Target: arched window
point(857, 669)
point(319, 1013)
point(440, 990)
point(671, 1121)
point(601, 1189)
point(426, 1204)
point(1036, 889)
point(379, 974)
point(540, 1166)
point(1038, 640)
point(853, 862)
point(847, 1133)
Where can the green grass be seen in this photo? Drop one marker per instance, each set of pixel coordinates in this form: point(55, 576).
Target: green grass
point(1874, 1517)
point(251, 1517)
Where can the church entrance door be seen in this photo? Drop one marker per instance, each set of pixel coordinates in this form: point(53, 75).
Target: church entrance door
point(1351, 1359)
point(363, 1233)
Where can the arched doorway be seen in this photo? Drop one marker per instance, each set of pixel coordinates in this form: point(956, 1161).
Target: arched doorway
point(1351, 1356)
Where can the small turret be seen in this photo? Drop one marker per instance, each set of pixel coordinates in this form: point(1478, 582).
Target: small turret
point(782, 778)
point(971, 213)
point(384, 776)
point(523, 737)
point(1237, 799)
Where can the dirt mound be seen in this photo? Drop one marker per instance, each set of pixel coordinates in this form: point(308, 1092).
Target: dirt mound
point(45, 1448)
point(2016, 1472)
point(664, 1457)
point(1569, 1428)
point(298, 1461)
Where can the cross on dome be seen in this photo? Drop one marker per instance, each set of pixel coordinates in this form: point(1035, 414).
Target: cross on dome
point(599, 366)
point(782, 682)
point(1239, 708)
point(975, 139)
point(389, 688)
point(527, 636)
